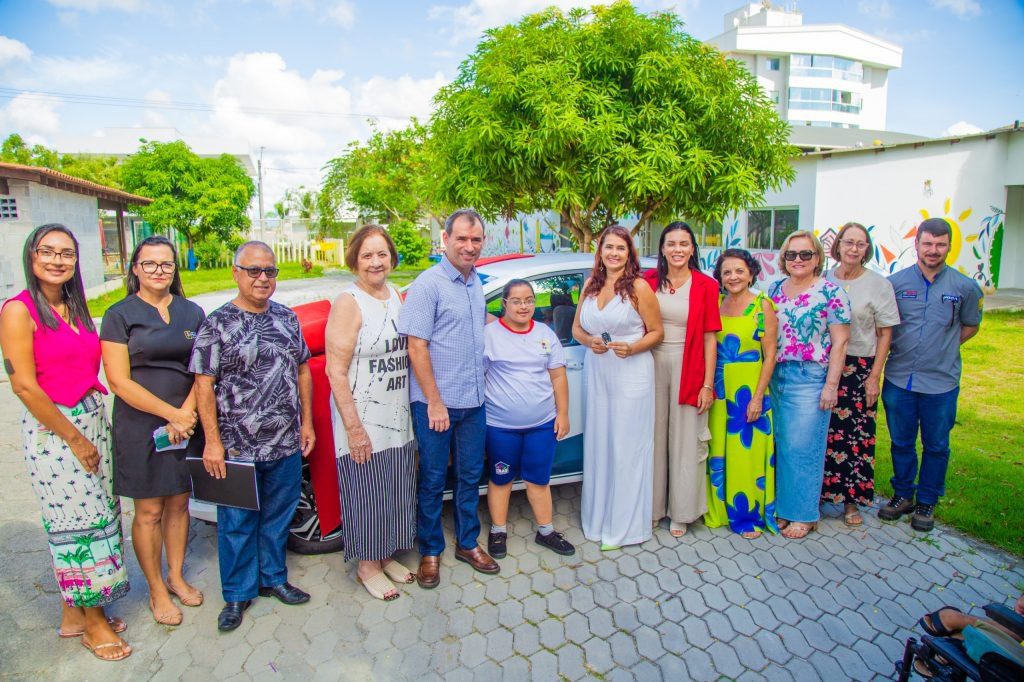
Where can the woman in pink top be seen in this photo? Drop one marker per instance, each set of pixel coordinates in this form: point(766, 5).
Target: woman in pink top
point(52, 356)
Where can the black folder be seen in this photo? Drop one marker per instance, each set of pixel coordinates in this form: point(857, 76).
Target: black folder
point(237, 489)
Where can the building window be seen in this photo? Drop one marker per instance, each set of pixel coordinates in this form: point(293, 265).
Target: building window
point(773, 95)
point(826, 66)
point(824, 99)
point(8, 208)
point(767, 228)
point(708, 233)
point(773, 64)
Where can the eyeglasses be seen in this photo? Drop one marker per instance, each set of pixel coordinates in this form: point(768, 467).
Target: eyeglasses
point(803, 255)
point(151, 266)
point(48, 255)
point(255, 272)
point(851, 244)
point(516, 302)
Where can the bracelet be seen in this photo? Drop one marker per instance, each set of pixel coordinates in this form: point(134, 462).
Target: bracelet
point(710, 388)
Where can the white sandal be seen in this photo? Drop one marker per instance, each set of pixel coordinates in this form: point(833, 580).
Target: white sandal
point(395, 570)
point(378, 586)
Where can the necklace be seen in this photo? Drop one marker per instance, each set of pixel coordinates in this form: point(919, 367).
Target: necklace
point(672, 288)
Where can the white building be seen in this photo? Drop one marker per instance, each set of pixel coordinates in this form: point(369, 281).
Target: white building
point(976, 182)
point(826, 75)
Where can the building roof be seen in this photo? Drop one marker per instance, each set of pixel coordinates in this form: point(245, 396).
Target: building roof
point(952, 139)
point(69, 183)
point(818, 138)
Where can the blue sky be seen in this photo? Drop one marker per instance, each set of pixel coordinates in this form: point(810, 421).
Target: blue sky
point(236, 70)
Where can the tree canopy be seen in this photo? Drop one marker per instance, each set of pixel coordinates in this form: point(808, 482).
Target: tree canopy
point(104, 170)
point(198, 197)
point(388, 178)
point(600, 113)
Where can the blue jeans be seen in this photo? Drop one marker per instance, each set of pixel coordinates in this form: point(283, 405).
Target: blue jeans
point(801, 433)
point(906, 412)
point(251, 544)
point(464, 442)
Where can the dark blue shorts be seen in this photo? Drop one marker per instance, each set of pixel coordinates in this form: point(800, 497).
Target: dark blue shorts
point(521, 453)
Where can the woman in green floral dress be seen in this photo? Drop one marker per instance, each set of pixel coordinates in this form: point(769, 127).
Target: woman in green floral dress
point(741, 463)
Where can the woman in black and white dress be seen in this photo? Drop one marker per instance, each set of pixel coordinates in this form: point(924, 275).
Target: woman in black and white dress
point(368, 367)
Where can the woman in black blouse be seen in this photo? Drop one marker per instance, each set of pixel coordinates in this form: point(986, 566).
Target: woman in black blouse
point(147, 340)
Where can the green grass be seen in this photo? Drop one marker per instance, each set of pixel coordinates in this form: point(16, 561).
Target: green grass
point(204, 281)
point(986, 468)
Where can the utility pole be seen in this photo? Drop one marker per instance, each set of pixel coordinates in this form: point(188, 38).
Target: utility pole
point(259, 189)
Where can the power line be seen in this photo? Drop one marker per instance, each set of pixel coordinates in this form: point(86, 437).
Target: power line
point(131, 103)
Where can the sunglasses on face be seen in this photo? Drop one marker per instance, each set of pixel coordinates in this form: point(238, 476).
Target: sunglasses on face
point(255, 272)
point(803, 255)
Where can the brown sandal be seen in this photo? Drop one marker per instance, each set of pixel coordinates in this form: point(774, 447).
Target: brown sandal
point(852, 517)
point(166, 617)
point(116, 624)
point(184, 599)
point(126, 650)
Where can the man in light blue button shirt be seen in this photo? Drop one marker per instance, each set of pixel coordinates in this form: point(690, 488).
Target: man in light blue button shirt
point(940, 309)
point(443, 317)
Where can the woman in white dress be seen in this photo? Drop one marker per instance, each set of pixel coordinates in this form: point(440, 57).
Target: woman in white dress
point(618, 320)
point(368, 367)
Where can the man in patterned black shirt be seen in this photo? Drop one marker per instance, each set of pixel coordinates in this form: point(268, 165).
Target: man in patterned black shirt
point(254, 391)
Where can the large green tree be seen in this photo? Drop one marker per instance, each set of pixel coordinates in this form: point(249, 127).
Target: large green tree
point(604, 112)
point(198, 197)
point(387, 178)
point(104, 170)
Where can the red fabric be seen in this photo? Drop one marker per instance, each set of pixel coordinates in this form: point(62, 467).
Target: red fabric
point(703, 317)
point(323, 469)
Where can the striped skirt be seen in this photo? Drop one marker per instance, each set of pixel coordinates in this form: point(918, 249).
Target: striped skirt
point(81, 516)
point(378, 503)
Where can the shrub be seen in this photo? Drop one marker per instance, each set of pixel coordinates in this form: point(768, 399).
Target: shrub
point(211, 252)
point(411, 244)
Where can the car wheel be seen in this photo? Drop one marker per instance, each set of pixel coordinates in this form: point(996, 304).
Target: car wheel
point(304, 535)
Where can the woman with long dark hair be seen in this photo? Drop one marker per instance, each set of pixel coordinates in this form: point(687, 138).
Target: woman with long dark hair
point(147, 341)
point(52, 356)
point(684, 372)
point(619, 313)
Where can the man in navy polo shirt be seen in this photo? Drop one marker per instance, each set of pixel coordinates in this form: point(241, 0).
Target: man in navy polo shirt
point(940, 309)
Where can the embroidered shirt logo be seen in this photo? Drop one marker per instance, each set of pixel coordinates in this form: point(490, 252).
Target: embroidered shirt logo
point(190, 335)
point(500, 468)
point(950, 298)
point(908, 294)
point(545, 347)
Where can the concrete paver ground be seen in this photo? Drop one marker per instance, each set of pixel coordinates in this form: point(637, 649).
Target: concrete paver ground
point(837, 605)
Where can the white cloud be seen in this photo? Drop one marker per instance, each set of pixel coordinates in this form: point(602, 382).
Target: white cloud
point(961, 128)
point(99, 5)
point(398, 98)
point(875, 8)
point(343, 13)
point(961, 8)
point(31, 114)
point(903, 37)
point(12, 50)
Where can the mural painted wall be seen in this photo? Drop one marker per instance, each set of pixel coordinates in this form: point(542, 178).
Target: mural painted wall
point(891, 192)
point(526, 233)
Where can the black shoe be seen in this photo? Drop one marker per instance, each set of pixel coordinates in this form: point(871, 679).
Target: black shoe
point(897, 507)
point(285, 593)
point(922, 519)
point(231, 615)
point(496, 545)
point(556, 542)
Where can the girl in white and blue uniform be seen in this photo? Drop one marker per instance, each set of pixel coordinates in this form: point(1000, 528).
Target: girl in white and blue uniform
point(527, 397)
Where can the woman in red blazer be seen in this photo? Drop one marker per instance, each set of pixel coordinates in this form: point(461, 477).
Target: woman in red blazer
point(684, 373)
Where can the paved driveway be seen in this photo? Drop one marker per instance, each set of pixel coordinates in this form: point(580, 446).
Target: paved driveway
point(837, 605)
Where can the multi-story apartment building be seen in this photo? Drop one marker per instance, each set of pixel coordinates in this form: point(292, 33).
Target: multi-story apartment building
point(826, 75)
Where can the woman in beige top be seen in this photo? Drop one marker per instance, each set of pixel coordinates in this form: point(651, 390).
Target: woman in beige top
point(684, 372)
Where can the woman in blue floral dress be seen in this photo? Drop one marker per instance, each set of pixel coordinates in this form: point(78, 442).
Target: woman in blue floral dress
point(814, 330)
point(741, 465)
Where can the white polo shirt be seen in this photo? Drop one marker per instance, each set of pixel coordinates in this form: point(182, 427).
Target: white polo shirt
point(517, 386)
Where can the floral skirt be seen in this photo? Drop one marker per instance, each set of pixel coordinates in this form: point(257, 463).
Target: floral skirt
point(80, 514)
point(850, 454)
